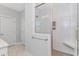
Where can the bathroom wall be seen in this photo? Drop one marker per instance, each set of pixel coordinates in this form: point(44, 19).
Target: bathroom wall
point(28, 25)
point(10, 12)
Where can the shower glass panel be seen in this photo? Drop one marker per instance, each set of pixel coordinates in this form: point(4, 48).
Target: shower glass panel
point(42, 23)
point(65, 35)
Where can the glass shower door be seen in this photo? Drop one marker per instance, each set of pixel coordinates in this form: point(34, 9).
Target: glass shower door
point(65, 34)
point(41, 30)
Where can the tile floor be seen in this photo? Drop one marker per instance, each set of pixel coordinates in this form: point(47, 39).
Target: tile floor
point(18, 50)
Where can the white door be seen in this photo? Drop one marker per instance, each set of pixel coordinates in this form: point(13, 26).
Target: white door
point(41, 30)
point(8, 29)
point(64, 35)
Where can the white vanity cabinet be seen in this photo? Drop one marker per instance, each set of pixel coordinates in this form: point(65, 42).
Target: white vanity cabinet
point(3, 48)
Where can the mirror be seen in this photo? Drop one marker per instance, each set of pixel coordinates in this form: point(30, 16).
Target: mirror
point(42, 19)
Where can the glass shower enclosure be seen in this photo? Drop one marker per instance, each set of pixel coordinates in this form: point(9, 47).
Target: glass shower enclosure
point(65, 36)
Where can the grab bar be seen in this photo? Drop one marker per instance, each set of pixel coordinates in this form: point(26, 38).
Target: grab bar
point(39, 38)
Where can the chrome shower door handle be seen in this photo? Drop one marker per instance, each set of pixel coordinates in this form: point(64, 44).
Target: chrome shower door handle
point(39, 38)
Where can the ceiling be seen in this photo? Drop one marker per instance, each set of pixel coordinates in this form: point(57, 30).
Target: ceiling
point(14, 6)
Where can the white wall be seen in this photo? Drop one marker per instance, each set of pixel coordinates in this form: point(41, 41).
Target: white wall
point(28, 25)
point(9, 12)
